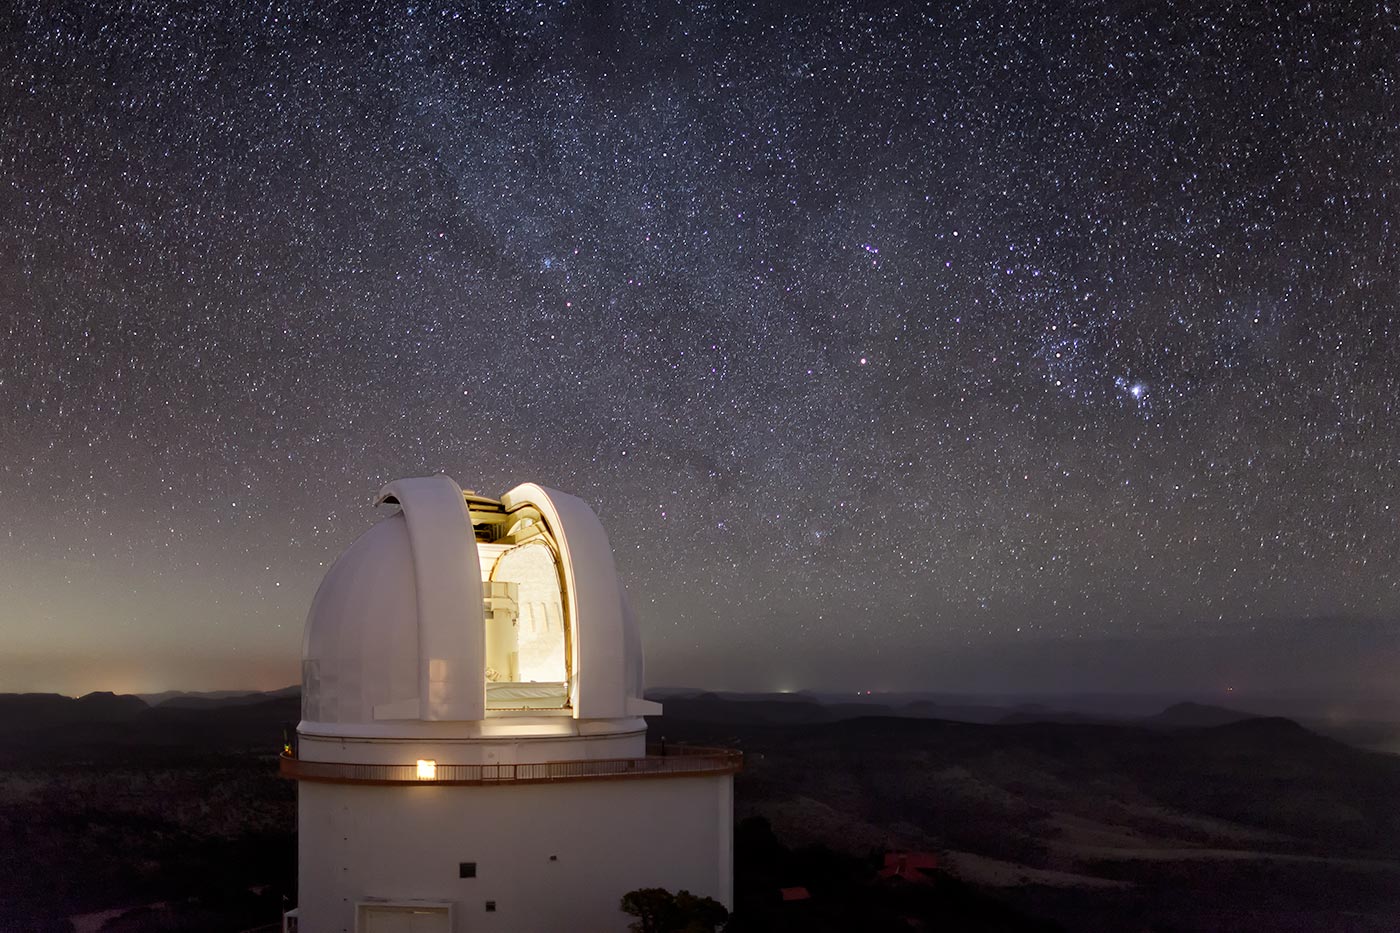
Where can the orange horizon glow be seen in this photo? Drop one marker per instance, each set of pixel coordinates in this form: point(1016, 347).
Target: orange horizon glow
point(77, 677)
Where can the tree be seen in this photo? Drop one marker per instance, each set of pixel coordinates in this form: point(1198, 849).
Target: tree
point(659, 911)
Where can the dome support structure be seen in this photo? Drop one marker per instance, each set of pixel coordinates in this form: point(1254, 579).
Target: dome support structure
point(473, 738)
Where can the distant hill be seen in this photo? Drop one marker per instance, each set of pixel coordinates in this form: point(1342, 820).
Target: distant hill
point(794, 708)
point(62, 728)
point(1176, 716)
point(245, 724)
point(957, 712)
point(22, 712)
point(788, 708)
point(1034, 713)
point(710, 707)
point(1196, 716)
point(217, 697)
point(37, 714)
point(105, 705)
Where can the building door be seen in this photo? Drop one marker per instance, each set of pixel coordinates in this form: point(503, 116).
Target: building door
point(386, 918)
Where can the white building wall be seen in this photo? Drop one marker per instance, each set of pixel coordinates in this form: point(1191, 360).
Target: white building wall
point(552, 856)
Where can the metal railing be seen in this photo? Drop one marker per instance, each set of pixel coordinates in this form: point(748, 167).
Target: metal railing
point(674, 761)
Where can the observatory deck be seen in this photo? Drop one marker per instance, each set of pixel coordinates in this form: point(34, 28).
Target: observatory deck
point(671, 761)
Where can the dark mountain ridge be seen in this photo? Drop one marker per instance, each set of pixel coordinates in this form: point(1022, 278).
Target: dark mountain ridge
point(211, 700)
point(1194, 715)
point(23, 711)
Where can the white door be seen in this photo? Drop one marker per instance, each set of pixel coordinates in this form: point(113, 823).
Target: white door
point(384, 918)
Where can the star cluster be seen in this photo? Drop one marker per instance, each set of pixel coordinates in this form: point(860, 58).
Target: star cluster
point(873, 332)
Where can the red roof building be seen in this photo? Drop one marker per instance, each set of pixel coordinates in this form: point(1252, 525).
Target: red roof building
point(911, 866)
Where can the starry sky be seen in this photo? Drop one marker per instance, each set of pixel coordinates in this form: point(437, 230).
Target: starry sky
point(964, 346)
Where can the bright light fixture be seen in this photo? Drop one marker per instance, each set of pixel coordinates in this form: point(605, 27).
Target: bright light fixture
point(427, 769)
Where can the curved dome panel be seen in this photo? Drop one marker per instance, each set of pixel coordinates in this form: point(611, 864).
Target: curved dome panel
point(360, 648)
point(600, 640)
point(451, 633)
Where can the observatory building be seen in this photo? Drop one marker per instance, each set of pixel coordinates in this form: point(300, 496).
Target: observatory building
point(472, 752)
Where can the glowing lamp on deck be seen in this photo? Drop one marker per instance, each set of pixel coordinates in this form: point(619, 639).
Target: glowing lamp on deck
point(427, 769)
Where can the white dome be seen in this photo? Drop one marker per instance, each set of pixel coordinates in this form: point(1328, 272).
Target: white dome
point(459, 608)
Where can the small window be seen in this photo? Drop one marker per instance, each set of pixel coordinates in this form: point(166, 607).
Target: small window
point(466, 869)
point(490, 907)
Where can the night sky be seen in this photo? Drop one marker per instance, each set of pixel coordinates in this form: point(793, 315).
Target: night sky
point(965, 347)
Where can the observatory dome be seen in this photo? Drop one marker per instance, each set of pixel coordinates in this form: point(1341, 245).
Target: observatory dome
point(458, 608)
